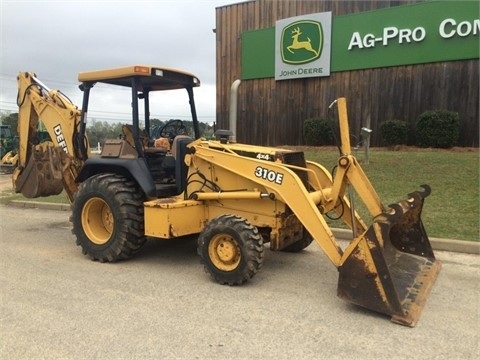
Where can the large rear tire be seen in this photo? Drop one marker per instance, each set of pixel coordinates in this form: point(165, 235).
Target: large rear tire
point(107, 218)
point(231, 249)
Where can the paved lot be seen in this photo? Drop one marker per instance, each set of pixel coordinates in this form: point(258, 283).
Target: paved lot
point(57, 304)
point(5, 182)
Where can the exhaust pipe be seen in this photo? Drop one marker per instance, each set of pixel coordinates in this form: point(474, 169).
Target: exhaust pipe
point(233, 110)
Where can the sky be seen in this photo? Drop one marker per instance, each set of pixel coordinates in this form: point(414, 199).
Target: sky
point(57, 39)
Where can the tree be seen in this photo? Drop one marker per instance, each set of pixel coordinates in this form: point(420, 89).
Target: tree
point(12, 120)
point(99, 131)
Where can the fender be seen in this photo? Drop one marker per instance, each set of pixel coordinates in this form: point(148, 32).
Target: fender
point(132, 168)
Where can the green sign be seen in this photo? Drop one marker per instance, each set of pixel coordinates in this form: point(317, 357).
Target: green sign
point(258, 54)
point(302, 46)
point(433, 31)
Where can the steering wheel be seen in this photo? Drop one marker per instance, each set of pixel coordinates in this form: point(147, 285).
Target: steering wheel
point(171, 129)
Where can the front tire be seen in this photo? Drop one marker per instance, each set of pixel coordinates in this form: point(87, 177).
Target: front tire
point(107, 218)
point(231, 249)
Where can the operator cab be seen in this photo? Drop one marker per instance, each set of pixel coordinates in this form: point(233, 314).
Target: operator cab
point(152, 156)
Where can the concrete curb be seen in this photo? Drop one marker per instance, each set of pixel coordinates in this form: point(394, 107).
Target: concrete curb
point(460, 246)
point(39, 205)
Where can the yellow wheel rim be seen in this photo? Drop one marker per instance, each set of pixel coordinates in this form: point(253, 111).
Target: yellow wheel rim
point(224, 252)
point(97, 220)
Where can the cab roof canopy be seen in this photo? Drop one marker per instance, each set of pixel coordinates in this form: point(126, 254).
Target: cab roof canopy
point(152, 78)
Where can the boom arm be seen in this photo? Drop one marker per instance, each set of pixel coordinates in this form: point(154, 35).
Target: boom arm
point(48, 167)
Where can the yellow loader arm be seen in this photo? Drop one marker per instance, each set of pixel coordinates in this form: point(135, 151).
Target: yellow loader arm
point(388, 267)
point(48, 167)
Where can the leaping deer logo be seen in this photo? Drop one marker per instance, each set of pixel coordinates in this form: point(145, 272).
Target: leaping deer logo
point(307, 45)
point(301, 42)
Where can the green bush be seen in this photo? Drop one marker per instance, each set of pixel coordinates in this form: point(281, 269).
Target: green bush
point(394, 132)
point(318, 132)
point(438, 129)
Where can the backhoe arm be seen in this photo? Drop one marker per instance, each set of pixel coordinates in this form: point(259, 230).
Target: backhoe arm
point(47, 167)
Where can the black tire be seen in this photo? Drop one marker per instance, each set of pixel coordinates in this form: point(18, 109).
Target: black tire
point(231, 249)
point(107, 218)
point(300, 244)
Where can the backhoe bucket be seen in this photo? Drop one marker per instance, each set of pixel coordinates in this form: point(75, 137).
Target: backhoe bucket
point(392, 268)
point(42, 175)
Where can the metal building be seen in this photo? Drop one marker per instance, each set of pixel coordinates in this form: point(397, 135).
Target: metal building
point(390, 59)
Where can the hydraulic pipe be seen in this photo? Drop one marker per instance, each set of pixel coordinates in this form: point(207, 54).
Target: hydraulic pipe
point(235, 195)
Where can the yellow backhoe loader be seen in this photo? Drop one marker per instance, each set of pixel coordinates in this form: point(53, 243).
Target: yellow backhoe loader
point(235, 197)
point(8, 152)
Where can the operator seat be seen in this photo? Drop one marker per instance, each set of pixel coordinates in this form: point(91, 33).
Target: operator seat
point(127, 132)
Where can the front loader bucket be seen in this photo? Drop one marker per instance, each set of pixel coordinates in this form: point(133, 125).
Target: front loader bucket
point(392, 268)
point(43, 174)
